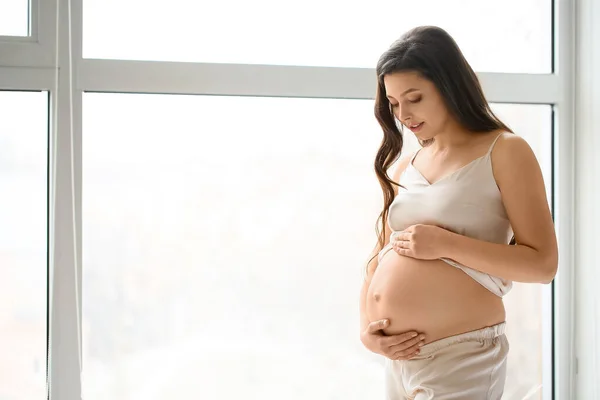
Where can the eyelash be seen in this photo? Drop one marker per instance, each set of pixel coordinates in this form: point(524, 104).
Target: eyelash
point(410, 101)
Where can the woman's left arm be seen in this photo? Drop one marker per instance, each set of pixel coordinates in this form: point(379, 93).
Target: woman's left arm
point(535, 256)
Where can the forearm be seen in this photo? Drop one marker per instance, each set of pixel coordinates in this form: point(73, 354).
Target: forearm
point(519, 263)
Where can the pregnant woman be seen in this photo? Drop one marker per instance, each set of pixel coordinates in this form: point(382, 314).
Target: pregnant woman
point(463, 218)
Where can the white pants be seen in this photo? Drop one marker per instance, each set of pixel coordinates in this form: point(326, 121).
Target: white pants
point(469, 366)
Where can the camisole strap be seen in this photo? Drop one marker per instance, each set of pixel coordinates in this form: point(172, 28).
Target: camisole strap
point(412, 159)
point(493, 143)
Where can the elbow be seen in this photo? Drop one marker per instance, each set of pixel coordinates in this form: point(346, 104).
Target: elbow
point(549, 268)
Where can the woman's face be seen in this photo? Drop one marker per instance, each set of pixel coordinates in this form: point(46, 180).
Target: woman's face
point(417, 104)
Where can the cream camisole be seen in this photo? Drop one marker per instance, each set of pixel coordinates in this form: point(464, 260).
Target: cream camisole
point(467, 202)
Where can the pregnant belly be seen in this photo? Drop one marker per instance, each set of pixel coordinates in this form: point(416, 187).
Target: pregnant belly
point(430, 297)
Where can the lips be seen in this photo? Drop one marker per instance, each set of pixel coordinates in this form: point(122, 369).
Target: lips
point(415, 127)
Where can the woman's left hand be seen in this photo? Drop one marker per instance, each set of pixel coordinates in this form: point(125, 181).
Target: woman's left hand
point(424, 242)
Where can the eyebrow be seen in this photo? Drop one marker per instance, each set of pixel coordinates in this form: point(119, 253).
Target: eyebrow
point(406, 92)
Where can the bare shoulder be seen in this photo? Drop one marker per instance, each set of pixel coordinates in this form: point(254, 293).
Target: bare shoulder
point(511, 156)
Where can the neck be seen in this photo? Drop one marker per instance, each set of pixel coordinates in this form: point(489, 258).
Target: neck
point(452, 137)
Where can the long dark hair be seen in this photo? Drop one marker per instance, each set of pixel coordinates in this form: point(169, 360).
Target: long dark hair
point(433, 53)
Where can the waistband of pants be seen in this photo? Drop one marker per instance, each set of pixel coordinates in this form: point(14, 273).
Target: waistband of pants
point(480, 335)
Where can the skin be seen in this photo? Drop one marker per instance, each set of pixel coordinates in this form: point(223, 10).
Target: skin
point(410, 285)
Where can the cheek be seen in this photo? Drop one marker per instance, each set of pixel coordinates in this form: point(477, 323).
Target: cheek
point(436, 114)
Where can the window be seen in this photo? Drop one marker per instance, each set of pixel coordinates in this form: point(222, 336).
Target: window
point(205, 255)
point(507, 36)
point(23, 244)
point(14, 17)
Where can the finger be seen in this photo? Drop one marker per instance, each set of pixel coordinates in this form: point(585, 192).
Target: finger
point(413, 344)
point(403, 244)
point(402, 356)
point(407, 352)
point(403, 235)
point(404, 252)
point(378, 325)
point(394, 340)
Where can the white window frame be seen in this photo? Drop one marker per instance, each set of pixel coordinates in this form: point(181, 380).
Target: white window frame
point(38, 49)
point(587, 167)
point(31, 63)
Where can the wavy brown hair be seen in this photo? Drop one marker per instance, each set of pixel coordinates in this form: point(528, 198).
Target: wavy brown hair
point(433, 53)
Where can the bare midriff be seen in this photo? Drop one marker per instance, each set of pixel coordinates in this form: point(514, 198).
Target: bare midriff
point(430, 297)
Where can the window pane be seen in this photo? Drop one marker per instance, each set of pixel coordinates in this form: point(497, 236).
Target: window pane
point(14, 17)
point(507, 36)
point(23, 244)
point(203, 248)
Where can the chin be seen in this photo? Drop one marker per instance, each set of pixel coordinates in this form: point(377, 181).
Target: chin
point(423, 134)
point(424, 138)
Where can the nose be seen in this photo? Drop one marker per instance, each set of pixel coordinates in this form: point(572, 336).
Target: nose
point(404, 114)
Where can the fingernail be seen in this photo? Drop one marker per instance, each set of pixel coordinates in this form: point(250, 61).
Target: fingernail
point(422, 337)
point(421, 343)
point(414, 334)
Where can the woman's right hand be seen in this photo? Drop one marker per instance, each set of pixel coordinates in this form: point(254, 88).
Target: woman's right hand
point(395, 347)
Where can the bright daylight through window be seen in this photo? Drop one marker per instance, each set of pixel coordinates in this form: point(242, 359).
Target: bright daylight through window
point(220, 268)
point(14, 17)
point(211, 222)
point(340, 34)
point(23, 244)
